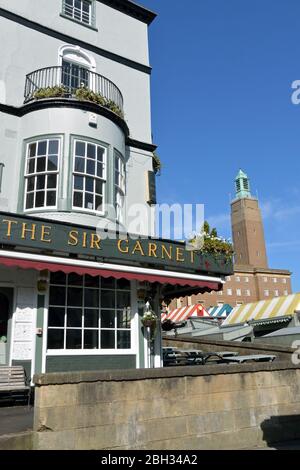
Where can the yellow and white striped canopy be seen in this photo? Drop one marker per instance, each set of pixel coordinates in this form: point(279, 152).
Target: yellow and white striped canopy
point(265, 309)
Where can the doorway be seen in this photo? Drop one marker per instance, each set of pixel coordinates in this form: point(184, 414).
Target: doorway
point(6, 302)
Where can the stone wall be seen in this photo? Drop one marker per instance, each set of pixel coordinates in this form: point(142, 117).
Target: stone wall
point(243, 349)
point(205, 407)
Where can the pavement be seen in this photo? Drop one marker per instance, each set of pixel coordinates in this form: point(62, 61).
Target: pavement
point(15, 419)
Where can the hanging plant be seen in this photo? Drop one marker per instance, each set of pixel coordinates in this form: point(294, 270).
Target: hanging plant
point(157, 165)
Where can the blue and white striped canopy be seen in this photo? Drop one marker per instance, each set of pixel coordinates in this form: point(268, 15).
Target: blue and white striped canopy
point(221, 311)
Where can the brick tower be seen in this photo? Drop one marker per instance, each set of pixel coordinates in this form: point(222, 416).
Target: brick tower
point(247, 226)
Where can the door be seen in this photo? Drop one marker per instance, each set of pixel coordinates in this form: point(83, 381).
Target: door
point(6, 302)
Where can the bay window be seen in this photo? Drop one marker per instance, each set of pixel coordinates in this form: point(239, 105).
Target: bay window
point(41, 173)
point(89, 176)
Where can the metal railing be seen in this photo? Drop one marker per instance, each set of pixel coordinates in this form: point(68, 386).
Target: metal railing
point(58, 82)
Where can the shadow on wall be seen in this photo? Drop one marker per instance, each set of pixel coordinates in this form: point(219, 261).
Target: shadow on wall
point(279, 432)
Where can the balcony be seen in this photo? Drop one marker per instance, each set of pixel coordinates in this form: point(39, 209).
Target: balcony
point(77, 83)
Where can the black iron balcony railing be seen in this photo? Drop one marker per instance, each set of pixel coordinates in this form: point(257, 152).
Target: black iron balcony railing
point(51, 82)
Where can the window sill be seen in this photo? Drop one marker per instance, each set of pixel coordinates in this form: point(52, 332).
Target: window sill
point(93, 28)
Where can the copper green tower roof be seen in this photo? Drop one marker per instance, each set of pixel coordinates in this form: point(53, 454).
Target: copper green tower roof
point(242, 185)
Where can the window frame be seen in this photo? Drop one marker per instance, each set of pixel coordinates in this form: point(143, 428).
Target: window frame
point(104, 179)
point(35, 174)
point(92, 20)
point(91, 351)
point(119, 190)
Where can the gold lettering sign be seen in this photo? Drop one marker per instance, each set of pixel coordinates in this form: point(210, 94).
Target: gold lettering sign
point(138, 247)
point(73, 238)
point(121, 248)
point(179, 255)
point(46, 232)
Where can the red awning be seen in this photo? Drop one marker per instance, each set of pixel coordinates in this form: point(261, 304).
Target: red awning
point(183, 313)
point(94, 271)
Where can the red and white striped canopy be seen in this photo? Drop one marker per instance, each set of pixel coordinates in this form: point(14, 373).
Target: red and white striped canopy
point(183, 313)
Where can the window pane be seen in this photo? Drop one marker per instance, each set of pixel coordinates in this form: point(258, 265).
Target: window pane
point(78, 182)
point(53, 147)
point(52, 163)
point(41, 164)
point(75, 297)
point(91, 318)
point(79, 164)
point(74, 317)
point(91, 151)
point(51, 181)
point(108, 282)
point(73, 339)
point(89, 201)
point(100, 154)
point(123, 284)
point(123, 340)
point(99, 203)
point(32, 150)
point(91, 298)
point(56, 316)
point(42, 148)
point(31, 166)
point(29, 201)
point(89, 184)
point(51, 198)
point(123, 299)
point(58, 278)
point(107, 319)
point(91, 281)
point(30, 183)
point(80, 149)
point(75, 280)
point(57, 295)
point(90, 167)
point(40, 182)
point(55, 339)
point(108, 299)
point(78, 200)
point(107, 339)
point(91, 339)
point(123, 318)
point(100, 170)
point(99, 187)
point(40, 199)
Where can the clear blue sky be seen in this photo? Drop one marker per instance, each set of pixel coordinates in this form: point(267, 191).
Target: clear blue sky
point(221, 100)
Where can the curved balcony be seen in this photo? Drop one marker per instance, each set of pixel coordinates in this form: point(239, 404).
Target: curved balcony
point(54, 82)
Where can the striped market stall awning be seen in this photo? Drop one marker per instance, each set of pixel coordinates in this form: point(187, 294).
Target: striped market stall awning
point(265, 309)
point(221, 311)
point(183, 313)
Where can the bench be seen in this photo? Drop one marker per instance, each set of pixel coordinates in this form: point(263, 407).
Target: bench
point(13, 384)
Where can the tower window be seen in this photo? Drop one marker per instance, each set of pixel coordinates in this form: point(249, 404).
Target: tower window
point(41, 173)
point(79, 10)
point(245, 183)
point(89, 176)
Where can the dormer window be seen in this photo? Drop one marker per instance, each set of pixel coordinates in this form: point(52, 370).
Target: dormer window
point(79, 10)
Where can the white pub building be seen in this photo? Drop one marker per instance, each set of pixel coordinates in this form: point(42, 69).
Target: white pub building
point(75, 129)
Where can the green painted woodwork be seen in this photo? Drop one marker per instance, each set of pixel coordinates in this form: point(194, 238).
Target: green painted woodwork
point(89, 363)
point(39, 338)
point(47, 235)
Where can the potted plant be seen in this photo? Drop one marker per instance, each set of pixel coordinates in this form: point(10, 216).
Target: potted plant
point(149, 319)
